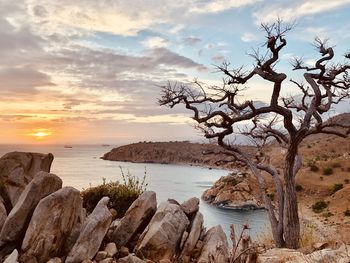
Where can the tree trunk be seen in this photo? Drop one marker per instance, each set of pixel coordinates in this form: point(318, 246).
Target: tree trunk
point(291, 225)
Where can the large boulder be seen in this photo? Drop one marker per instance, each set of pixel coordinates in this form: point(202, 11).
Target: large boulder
point(277, 255)
point(130, 259)
point(12, 258)
point(135, 220)
point(190, 206)
point(92, 233)
point(193, 236)
point(51, 226)
point(215, 248)
point(162, 237)
point(17, 169)
point(17, 221)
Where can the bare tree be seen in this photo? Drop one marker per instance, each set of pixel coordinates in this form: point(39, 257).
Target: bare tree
point(286, 121)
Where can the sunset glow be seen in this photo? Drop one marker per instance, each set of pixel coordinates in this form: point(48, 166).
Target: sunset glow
point(40, 134)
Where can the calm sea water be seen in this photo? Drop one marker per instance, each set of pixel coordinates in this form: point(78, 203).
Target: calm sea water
point(82, 167)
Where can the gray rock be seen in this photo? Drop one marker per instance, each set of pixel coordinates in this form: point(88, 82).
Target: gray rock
point(13, 257)
point(17, 169)
point(162, 236)
point(107, 260)
point(111, 249)
point(55, 260)
point(51, 225)
point(101, 255)
point(190, 206)
point(135, 220)
point(215, 248)
point(130, 259)
point(92, 233)
point(193, 236)
point(17, 221)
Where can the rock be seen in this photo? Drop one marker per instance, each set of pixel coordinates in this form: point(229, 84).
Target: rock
point(320, 245)
point(242, 187)
point(130, 259)
point(183, 239)
point(163, 234)
point(51, 225)
point(101, 255)
point(340, 255)
point(92, 233)
point(54, 260)
point(135, 220)
point(123, 252)
point(107, 260)
point(111, 249)
point(277, 255)
point(17, 221)
point(3, 213)
point(17, 169)
point(87, 261)
point(12, 258)
point(165, 261)
point(215, 247)
point(190, 206)
point(193, 236)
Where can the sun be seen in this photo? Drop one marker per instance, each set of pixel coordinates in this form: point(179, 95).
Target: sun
point(40, 134)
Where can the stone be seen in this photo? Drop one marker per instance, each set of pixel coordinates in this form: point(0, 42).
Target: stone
point(190, 206)
point(54, 260)
point(3, 213)
point(162, 236)
point(12, 258)
point(320, 245)
point(111, 249)
point(183, 239)
point(277, 255)
point(123, 252)
point(93, 231)
point(215, 246)
point(107, 260)
point(193, 235)
point(130, 259)
point(165, 261)
point(17, 169)
point(340, 255)
point(17, 221)
point(135, 220)
point(101, 255)
point(87, 261)
point(51, 225)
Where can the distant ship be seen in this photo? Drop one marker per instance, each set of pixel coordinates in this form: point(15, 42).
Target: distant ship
point(68, 146)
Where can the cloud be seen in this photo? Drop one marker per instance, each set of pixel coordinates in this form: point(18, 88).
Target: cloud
point(292, 10)
point(191, 41)
point(155, 42)
point(248, 37)
point(218, 58)
point(219, 5)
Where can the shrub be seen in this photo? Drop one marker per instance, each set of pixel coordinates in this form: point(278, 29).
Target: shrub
point(347, 212)
point(319, 206)
point(327, 171)
point(327, 214)
point(121, 195)
point(299, 188)
point(313, 167)
point(334, 188)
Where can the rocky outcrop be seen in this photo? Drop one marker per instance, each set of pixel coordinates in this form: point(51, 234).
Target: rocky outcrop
point(172, 153)
point(130, 259)
point(215, 247)
point(13, 257)
point(17, 169)
point(235, 191)
point(3, 213)
point(193, 237)
point(51, 226)
point(92, 234)
point(17, 221)
point(135, 220)
point(190, 206)
point(162, 237)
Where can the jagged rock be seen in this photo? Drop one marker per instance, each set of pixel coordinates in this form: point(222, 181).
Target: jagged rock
point(17, 169)
point(130, 259)
point(183, 239)
point(277, 255)
point(163, 234)
point(107, 260)
point(87, 261)
point(215, 248)
point(101, 255)
point(165, 261)
point(193, 236)
point(111, 249)
point(190, 206)
point(92, 233)
point(3, 213)
point(135, 220)
point(340, 255)
point(51, 225)
point(13, 257)
point(54, 260)
point(17, 221)
point(123, 252)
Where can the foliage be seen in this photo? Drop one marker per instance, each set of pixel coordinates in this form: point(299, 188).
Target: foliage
point(121, 195)
point(327, 214)
point(313, 167)
point(334, 188)
point(319, 206)
point(328, 170)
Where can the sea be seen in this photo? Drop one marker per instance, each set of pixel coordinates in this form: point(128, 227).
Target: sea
point(81, 167)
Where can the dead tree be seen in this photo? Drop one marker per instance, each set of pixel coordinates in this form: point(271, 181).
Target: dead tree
point(283, 120)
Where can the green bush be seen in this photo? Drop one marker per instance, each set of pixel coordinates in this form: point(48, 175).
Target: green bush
point(121, 195)
point(313, 167)
point(319, 206)
point(334, 188)
point(327, 214)
point(327, 170)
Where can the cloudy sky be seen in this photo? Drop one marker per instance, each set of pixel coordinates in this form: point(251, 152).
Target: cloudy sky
point(89, 71)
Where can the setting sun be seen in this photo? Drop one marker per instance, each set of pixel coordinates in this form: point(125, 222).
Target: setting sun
point(40, 134)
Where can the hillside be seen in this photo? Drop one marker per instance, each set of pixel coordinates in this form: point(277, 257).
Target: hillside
point(187, 153)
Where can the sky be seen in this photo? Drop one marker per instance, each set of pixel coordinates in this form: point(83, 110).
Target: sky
point(76, 72)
